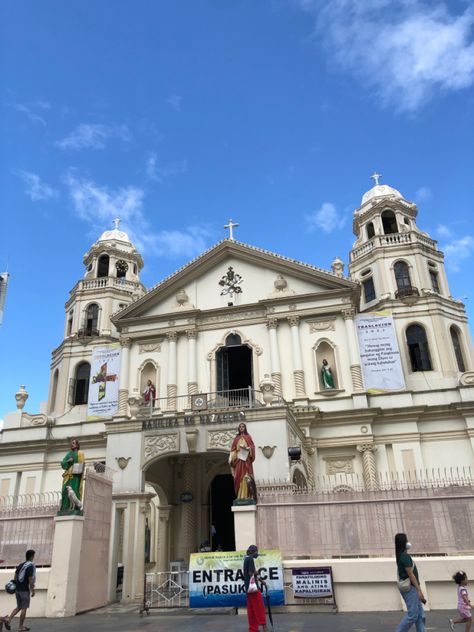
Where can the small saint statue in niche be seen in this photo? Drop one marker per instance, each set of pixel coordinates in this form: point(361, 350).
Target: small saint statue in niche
point(241, 458)
point(149, 394)
point(73, 466)
point(326, 375)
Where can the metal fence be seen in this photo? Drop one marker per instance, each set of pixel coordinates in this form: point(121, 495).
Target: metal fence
point(165, 590)
point(27, 522)
point(339, 517)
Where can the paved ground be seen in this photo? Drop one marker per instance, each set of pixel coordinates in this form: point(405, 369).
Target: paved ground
point(187, 622)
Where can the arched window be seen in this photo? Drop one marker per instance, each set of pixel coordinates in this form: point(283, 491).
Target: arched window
point(457, 348)
point(418, 348)
point(370, 230)
point(389, 223)
point(54, 390)
point(233, 340)
point(92, 320)
point(81, 384)
point(402, 277)
point(103, 266)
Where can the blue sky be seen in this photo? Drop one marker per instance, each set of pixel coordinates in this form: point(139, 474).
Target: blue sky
point(178, 115)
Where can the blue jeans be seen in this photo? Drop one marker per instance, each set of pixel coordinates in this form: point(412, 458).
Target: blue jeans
point(415, 613)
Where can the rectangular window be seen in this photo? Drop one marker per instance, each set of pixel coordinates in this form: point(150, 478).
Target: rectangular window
point(369, 290)
point(434, 281)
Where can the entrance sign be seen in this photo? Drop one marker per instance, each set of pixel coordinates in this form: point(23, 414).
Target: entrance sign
point(216, 579)
point(312, 582)
point(104, 383)
point(379, 353)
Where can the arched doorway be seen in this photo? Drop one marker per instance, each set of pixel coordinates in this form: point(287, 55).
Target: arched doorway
point(234, 365)
point(221, 497)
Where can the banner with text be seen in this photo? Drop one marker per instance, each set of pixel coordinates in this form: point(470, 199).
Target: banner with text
point(312, 583)
point(104, 383)
point(379, 353)
point(217, 580)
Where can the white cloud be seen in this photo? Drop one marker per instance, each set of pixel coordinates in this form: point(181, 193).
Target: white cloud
point(93, 136)
point(326, 218)
point(423, 194)
point(457, 251)
point(174, 101)
point(99, 205)
point(160, 173)
point(36, 189)
point(32, 110)
point(444, 231)
point(404, 51)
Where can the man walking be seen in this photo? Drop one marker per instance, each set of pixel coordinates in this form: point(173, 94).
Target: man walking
point(25, 577)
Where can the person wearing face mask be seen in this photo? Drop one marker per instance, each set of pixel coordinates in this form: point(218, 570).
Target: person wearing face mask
point(409, 586)
point(255, 606)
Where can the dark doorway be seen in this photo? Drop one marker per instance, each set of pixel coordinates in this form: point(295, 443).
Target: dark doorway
point(234, 365)
point(221, 498)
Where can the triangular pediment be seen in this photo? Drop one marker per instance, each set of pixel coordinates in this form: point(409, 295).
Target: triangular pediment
point(233, 273)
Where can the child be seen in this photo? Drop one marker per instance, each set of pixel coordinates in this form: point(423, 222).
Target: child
point(464, 605)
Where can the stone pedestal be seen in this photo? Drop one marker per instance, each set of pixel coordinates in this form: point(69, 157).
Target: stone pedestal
point(65, 565)
point(245, 526)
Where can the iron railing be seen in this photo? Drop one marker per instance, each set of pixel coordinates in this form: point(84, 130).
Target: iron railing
point(165, 590)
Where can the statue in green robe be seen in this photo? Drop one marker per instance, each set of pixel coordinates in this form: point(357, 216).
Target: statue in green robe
point(73, 466)
point(326, 375)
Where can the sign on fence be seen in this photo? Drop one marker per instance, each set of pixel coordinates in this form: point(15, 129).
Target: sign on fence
point(216, 579)
point(311, 583)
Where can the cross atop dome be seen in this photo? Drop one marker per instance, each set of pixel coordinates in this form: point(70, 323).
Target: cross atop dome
point(116, 223)
point(376, 177)
point(231, 226)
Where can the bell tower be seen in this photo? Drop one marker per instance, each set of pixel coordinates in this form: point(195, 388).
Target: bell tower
point(401, 269)
point(111, 282)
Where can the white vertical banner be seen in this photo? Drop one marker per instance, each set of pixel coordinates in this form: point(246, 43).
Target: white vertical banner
point(104, 383)
point(379, 352)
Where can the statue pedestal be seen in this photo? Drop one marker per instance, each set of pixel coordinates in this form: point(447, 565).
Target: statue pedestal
point(65, 564)
point(245, 525)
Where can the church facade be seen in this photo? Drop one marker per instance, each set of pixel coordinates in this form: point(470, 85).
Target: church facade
point(244, 334)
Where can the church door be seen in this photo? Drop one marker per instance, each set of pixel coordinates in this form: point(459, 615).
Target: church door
point(234, 365)
point(222, 519)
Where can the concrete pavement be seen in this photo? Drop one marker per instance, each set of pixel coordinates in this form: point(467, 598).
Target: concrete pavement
point(190, 622)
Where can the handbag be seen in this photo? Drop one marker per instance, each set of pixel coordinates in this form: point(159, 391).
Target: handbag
point(252, 585)
point(10, 587)
point(404, 585)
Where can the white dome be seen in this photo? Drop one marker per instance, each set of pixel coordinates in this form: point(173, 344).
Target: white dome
point(380, 190)
point(114, 235)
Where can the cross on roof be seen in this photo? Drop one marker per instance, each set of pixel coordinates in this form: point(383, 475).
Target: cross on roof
point(116, 222)
point(231, 226)
point(375, 177)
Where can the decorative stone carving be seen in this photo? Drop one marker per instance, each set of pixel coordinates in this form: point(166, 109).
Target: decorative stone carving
point(21, 396)
point(220, 439)
point(191, 439)
point(182, 298)
point(322, 324)
point(34, 420)
point(280, 283)
point(172, 336)
point(134, 402)
point(267, 386)
point(337, 267)
point(272, 323)
point(368, 464)
point(268, 451)
point(191, 333)
point(293, 321)
point(161, 444)
point(125, 342)
point(122, 461)
point(467, 379)
point(339, 464)
point(230, 283)
point(247, 315)
point(348, 313)
point(149, 347)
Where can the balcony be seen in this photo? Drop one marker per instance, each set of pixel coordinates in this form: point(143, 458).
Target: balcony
point(109, 282)
point(87, 332)
point(406, 291)
point(392, 240)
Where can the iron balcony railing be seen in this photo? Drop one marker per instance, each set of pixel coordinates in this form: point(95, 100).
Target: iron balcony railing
point(406, 290)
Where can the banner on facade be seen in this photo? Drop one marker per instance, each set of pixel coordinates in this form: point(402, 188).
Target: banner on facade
point(104, 383)
point(216, 579)
point(312, 583)
point(379, 353)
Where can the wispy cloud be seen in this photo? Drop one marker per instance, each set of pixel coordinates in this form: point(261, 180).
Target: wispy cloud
point(327, 218)
point(93, 136)
point(36, 189)
point(34, 111)
point(159, 173)
point(423, 194)
point(99, 205)
point(174, 101)
point(456, 250)
point(403, 51)
point(444, 231)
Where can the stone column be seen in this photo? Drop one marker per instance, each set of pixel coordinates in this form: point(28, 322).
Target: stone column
point(356, 372)
point(192, 362)
point(298, 371)
point(124, 376)
point(163, 538)
point(272, 325)
point(368, 464)
point(188, 511)
point(172, 388)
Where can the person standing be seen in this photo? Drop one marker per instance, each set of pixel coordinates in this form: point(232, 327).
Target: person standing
point(464, 605)
point(412, 593)
point(25, 577)
point(255, 606)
